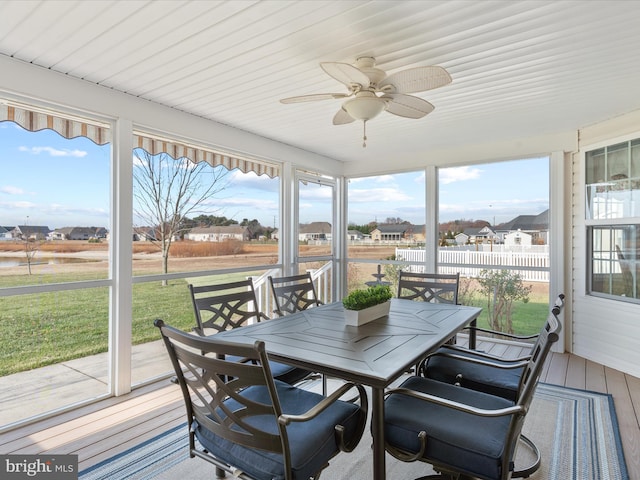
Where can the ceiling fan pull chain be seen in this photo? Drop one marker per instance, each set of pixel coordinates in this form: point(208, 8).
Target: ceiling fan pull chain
point(364, 135)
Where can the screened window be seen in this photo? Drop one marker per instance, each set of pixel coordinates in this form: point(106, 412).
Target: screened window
point(612, 184)
point(54, 254)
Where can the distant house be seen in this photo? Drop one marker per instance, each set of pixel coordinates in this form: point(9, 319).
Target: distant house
point(517, 239)
point(5, 233)
point(416, 233)
point(535, 225)
point(476, 235)
point(144, 234)
point(219, 233)
point(355, 235)
point(74, 233)
point(397, 232)
point(461, 238)
point(392, 232)
point(314, 231)
point(32, 232)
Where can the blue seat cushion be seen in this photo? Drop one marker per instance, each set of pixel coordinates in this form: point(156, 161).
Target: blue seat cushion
point(287, 373)
point(496, 381)
point(470, 444)
point(281, 371)
point(312, 443)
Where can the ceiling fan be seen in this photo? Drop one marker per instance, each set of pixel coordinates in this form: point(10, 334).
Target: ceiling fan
point(371, 91)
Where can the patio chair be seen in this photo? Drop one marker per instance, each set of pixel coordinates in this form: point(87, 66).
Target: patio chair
point(293, 294)
point(482, 371)
point(429, 287)
point(251, 425)
point(464, 432)
point(231, 305)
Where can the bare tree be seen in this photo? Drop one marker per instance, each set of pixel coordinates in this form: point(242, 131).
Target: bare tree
point(166, 191)
point(31, 247)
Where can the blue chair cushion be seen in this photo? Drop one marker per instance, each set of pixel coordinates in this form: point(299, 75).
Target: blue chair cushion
point(287, 373)
point(496, 381)
point(312, 443)
point(281, 371)
point(471, 444)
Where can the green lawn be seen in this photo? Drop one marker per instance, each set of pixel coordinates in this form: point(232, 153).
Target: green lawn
point(44, 329)
point(528, 318)
point(49, 328)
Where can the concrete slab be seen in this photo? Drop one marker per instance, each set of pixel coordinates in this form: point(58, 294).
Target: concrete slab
point(35, 392)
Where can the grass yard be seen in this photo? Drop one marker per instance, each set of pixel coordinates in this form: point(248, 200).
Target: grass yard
point(49, 328)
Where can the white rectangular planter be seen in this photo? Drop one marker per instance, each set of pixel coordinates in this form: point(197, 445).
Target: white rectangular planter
point(360, 317)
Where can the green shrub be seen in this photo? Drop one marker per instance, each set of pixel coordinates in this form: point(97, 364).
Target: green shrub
point(364, 298)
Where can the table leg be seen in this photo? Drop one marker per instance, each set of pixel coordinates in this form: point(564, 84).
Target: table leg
point(377, 432)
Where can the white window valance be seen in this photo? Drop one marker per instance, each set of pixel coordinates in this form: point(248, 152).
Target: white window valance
point(198, 154)
point(33, 120)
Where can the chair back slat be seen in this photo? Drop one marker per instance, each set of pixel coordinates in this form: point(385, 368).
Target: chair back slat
point(429, 287)
point(224, 306)
point(293, 293)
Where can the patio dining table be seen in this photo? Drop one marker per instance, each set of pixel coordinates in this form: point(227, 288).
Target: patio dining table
point(374, 354)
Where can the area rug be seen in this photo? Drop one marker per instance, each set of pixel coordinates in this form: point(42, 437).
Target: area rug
point(575, 430)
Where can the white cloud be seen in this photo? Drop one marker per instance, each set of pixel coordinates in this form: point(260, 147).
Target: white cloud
point(54, 152)
point(377, 195)
point(458, 174)
point(11, 190)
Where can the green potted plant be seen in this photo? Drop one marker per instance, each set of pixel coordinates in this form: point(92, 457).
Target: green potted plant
point(364, 305)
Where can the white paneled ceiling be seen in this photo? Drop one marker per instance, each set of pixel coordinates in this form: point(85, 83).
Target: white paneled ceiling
point(520, 68)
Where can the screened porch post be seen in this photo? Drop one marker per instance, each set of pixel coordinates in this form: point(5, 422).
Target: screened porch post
point(557, 222)
point(431, 219)
point(121, 245)
point(340, 235)
point(286, 222)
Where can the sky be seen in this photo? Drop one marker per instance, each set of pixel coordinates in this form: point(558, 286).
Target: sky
point(48, 180)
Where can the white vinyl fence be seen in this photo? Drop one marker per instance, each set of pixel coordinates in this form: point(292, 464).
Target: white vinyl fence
point(532, 266)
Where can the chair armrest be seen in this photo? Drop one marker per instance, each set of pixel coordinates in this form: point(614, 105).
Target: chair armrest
point(463, 407)
point(478, 353)
point(503, 334)
point(486, 360)
point(286, 419)
point(342, 443)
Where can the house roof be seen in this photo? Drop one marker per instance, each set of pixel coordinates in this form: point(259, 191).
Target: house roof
point(512, 63)
point(77, 230)
point(396, 228)
point(528, 222)
point(33, 229)
point(316, 227)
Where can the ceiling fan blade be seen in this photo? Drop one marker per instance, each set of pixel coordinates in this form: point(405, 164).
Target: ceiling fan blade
point(315, 97)
point(345, 73)
point(342, 117)
point(415, 80)
point(407, 106)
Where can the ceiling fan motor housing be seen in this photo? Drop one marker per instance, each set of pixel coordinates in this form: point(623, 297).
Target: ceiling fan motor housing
point(367, 66)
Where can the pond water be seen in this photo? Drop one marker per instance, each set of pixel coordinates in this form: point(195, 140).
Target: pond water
point(18, 261)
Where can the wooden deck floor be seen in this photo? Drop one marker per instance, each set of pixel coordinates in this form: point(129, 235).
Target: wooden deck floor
point(101, 430)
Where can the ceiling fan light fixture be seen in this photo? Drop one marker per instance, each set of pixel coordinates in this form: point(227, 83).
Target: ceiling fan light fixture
point(364, 107)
